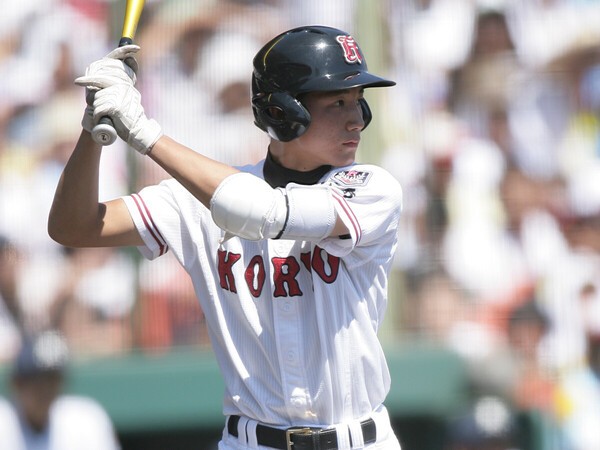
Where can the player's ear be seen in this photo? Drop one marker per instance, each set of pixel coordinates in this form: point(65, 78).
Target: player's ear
point(280, 115)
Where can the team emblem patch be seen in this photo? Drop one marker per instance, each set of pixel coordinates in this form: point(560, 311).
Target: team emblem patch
point(351, 50)
point(352, 177)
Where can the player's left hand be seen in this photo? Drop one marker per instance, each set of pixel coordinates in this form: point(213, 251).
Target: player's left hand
point(122, 103)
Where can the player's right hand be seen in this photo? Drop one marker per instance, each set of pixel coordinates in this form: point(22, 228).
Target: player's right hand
point(122, 103)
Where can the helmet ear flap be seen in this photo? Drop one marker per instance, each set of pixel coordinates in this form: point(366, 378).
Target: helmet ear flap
point(282, 116)
point(366, 112)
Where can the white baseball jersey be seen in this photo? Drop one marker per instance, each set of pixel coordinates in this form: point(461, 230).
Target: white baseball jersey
point(293, 324)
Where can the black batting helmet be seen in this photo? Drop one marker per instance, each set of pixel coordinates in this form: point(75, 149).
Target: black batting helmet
point(301, 60)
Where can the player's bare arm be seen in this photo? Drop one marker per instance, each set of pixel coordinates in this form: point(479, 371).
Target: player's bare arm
point(200, 175)
point(77, 218)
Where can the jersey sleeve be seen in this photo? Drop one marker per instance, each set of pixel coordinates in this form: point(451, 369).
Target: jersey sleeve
point(368, 199)
point(159, 213)
point(155, 243)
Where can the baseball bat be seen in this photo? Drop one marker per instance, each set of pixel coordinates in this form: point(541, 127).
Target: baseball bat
point(104, 132)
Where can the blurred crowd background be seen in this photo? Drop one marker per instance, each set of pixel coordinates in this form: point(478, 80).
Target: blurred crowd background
point(493, 131)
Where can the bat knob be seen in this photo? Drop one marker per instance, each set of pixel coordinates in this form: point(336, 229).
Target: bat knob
point(104, 132)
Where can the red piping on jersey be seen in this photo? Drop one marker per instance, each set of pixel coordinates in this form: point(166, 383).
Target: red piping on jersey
point(349, 214)
point(162, 247)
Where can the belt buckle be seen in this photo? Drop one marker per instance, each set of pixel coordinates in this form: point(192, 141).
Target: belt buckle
point(295, 430)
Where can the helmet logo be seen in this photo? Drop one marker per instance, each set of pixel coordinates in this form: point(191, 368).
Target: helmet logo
point(350, 47)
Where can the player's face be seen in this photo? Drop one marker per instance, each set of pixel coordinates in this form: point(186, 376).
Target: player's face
point(334, 132)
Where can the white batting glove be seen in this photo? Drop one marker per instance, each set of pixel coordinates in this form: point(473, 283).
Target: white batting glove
point(122, 103)
point(119, 66)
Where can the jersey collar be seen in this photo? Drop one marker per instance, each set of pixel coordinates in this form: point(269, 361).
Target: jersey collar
point(278, 176)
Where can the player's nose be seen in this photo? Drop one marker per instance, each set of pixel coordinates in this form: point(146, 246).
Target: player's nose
point(355, 119)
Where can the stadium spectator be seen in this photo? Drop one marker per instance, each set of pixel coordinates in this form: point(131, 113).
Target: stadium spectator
point(40, 416)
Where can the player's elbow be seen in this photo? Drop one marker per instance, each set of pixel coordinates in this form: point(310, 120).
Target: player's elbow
point(55, 229)
point(58, 233)
point(246, 206)
point(66, 237)
point(63, 231)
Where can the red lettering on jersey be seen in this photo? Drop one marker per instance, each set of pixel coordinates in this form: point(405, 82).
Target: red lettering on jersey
point(282, 277)
point(318, 264)
point(285, 271)
point(305, 257)
point(255, 275)
point(226, 262)
point(351, 50)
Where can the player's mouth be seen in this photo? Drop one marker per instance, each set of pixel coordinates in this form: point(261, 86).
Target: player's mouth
point(353, 143)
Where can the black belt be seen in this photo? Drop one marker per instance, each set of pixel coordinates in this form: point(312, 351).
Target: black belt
point(301, 438)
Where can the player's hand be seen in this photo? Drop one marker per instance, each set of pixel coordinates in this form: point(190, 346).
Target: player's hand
point(122, 103)
point(119, 66)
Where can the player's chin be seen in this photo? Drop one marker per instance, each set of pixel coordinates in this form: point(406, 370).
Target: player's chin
point(346, 155)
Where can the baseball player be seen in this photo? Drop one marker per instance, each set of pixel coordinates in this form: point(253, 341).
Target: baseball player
point(289, 257)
